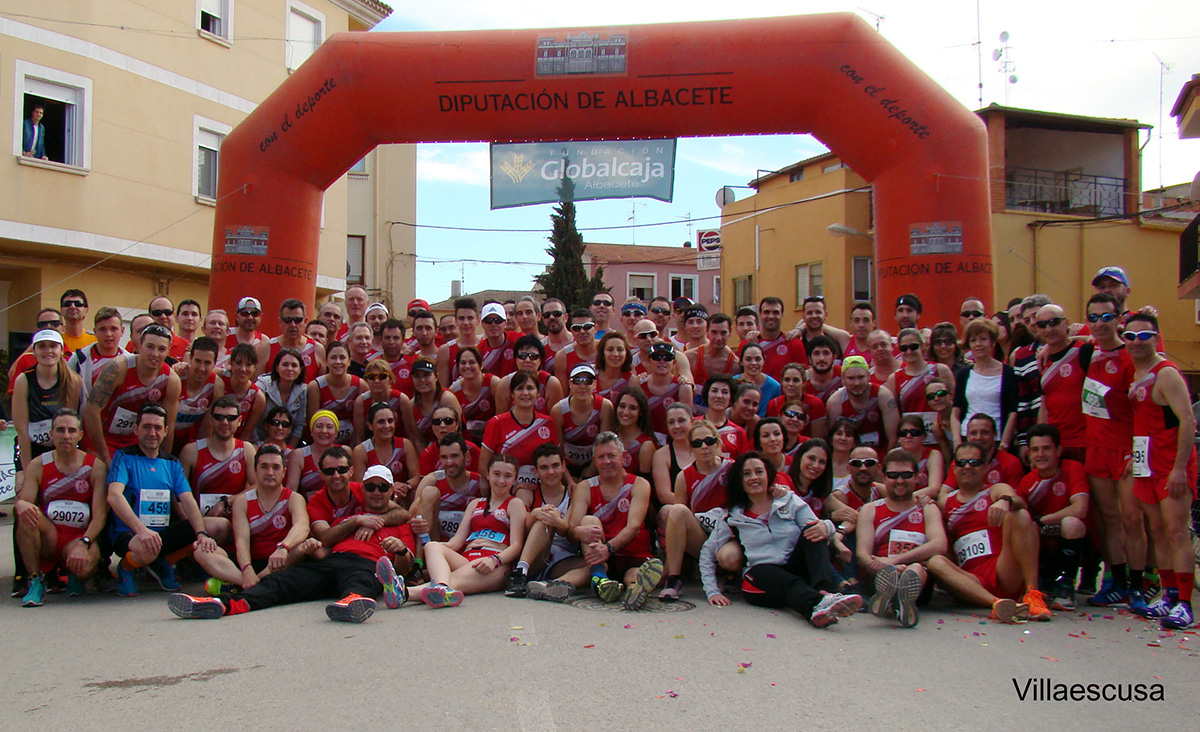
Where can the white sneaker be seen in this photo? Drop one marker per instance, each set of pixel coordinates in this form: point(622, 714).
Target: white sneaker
point(834, 606)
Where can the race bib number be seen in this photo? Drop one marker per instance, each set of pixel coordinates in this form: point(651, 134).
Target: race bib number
point(869, 438)
point(476, 425)
point(578, 454)
point(930, 419)
point(449, 521)
point(900, 541)
point(123, 421)
point(1141, 457)
point(708, 520)
point(208, 500)
point(154, 507)
point(345, 429)
point(69, 513)
point(1094, 394)
point(39, 432)
point(526, 474)
point(489, 534)
point(972, 546)
point(1051, 529)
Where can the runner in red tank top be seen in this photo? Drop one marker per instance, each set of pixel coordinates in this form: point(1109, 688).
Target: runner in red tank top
point(519, 430)
point(872, 408)
point(218, 467)
point(197, 392)
point(292, 314)
point(700, 498)
point(580, 417)
point(443, 494)
point(1063, 376)
point(384, 447)
point(336, 392)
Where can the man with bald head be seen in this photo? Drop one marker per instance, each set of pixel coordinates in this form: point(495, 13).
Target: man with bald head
point(883, 359)
point(1063, 373)
point(972, 309)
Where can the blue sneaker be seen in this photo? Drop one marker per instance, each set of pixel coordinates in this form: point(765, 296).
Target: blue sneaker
point(1160, 608)
point(36, 592)
point(1180, 617)
point(395, 592)
point(126, 584)
point(75, 587)
point(1137, 604)
point(163, 573)
point(1108, 598)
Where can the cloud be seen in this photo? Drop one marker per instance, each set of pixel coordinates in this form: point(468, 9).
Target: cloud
point(466, 164)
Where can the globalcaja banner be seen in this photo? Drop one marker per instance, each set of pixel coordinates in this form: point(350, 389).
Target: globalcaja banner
point(531, 172)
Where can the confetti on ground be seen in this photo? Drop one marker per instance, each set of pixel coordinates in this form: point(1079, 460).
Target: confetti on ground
point(1049, 659)
point(592, 645)
point(1154, 645)
point(772, 635)
point(671, 694)
point(920, 690)
point(627, 627)
point(1158, 677)
point(517, 627)
point(679, 637)
point(514, 639)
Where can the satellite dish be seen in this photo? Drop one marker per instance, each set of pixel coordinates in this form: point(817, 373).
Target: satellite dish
point(1004, 36)
point(1012, 79)
point(996, 54)
point(725, 196)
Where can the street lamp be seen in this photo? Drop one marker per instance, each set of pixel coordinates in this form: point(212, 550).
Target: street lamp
point(843, 230)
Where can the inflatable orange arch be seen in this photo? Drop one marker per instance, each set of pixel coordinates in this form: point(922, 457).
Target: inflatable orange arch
point(830, 75)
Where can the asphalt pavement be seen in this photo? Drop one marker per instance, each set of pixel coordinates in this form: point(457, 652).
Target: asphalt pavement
point(104, 662)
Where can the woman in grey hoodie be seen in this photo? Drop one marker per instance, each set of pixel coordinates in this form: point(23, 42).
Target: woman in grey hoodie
point(786, 547)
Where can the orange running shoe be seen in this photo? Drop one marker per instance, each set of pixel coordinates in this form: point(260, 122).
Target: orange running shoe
point(351, 609)
point(1037, 605)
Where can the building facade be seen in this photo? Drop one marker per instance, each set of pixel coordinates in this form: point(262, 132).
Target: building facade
point(135, 100)
point(645, 272)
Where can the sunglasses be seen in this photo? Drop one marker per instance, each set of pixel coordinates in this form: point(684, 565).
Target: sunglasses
point(937, 394)
point(793, 414)
point(912, 432)
point(553, 314)
point(943, 341)
point(909, 347)
point(376, 487)
point(377, 377)
point(160, 313)
point(1139, 335)
point(633, 311)
point(703, 441)
point(1051, 323)
point(250, 313)
point(493, 320)
point(972, 313)
point(647, 334)
point(598, 303)
point(74, 304)
point(582, 327)
point(968, 462)
point(279, 423)
point(528, 356)
point(226, 417)
point(863, 463)
point(1101, 317)
point(662, 356)
point(900, 474)
point(292, 320)
point(661, 311)
point(339, 470)
point(443, 421)
point(43, 324)
point(582, 380)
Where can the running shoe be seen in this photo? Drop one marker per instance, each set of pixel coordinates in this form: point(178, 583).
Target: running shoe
point(75, 586)
point(126, 584)
point(1137, 603)
point(20, 585)
point(887, 580)
point(36, 593)
point(647, 579)
point(1064, 597)
point(1180, 617)
point(833, 606)
point(907, 593)
point(163, 572)
point(104, 581)
point(552, 591)
point(1151, 583)
point(441, 596)
point(216, 587)
point(1005, 610)
point(195, 608)
point(1037, 605)
point(608, 590)
point(395, 592)
point(1160, 608)
point(54, 582)
point(351, 609)
point(1110, 597)
point(671, 589)
point(516, 583)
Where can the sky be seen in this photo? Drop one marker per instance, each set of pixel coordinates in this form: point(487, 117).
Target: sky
point(1099, 59)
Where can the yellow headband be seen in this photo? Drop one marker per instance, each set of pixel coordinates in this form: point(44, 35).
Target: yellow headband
point(323, 413)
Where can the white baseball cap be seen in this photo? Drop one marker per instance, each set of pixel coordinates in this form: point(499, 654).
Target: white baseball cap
point(379, 471)
point(249, 302)
point(493, 308)
point(378, 306)
point(582, 368)
point(48, 335)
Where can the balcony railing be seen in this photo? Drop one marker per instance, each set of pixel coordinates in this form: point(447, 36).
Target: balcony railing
point(1050, 191)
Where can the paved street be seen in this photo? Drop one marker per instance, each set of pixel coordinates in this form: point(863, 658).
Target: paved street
point(502, 664)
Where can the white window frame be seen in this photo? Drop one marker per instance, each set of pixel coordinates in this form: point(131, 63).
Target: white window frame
point(870, 279)
point(225, 37)
point(695, 286)
point(212, 126)
point(652, 275)
point(749, 284)
point(295, 6)
point(360, 168)
point(362, 261)
point(716, 297)
point(831, 167)
point(808, 289)
point(82, 138)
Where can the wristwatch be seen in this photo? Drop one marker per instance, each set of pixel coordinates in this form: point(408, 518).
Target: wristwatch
point(86, 540)
point(1007, 498)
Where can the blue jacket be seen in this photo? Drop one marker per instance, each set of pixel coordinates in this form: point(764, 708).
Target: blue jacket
point(27, 133)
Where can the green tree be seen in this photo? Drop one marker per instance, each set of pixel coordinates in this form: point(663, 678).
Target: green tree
point(566, 278)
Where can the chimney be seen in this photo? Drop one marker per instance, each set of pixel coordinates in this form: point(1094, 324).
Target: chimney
point(455, 288)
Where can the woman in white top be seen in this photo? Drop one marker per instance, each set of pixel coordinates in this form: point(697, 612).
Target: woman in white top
point(988, 386)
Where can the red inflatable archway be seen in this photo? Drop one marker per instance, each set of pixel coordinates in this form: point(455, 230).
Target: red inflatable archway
point(831, 75)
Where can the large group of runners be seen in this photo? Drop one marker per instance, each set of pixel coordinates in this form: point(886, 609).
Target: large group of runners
point(613, 449)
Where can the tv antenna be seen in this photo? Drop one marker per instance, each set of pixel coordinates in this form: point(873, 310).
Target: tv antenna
point(1163, 69)
point(1004, 63)
point(878, 18)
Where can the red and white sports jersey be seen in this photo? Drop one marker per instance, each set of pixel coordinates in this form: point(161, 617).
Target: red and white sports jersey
point(974, 543)
point(813, 407)
point(322, 508)
point(659, 404)
point(551, 354)
point(402, 376)
point(430, 458)
point(570, 353)
point(1051, 495)
point(578, 439)
point(613, 393)
point(733, 439)
point(824, 393)
point(1004, 468)
point(1106, 407)
point(342, 406)
point(392, 401)
point(308, 356)
point(192, 408)
point(268, 526)
point(1155, 430)
point(631, 458)
point(231, 341)
point(700, 371)
point(911, 396)
point(779, 352)
point(396, 462)
point(490, 525)
point(120, 415)
point(66, 499)
point(499, 360)
point(453, 502)
point(245, 400)
point(706, 492)
point(310, 475)
point(852, 349)
point(614, 516)
point(213, 479)
point(898, 531)
point(475, 412)
point(88, 362)
point(504, 435)
point(1062, 390)
point(851, 499)
point(869, 419)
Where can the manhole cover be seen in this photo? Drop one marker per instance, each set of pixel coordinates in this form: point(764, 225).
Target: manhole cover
point(652, 605)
